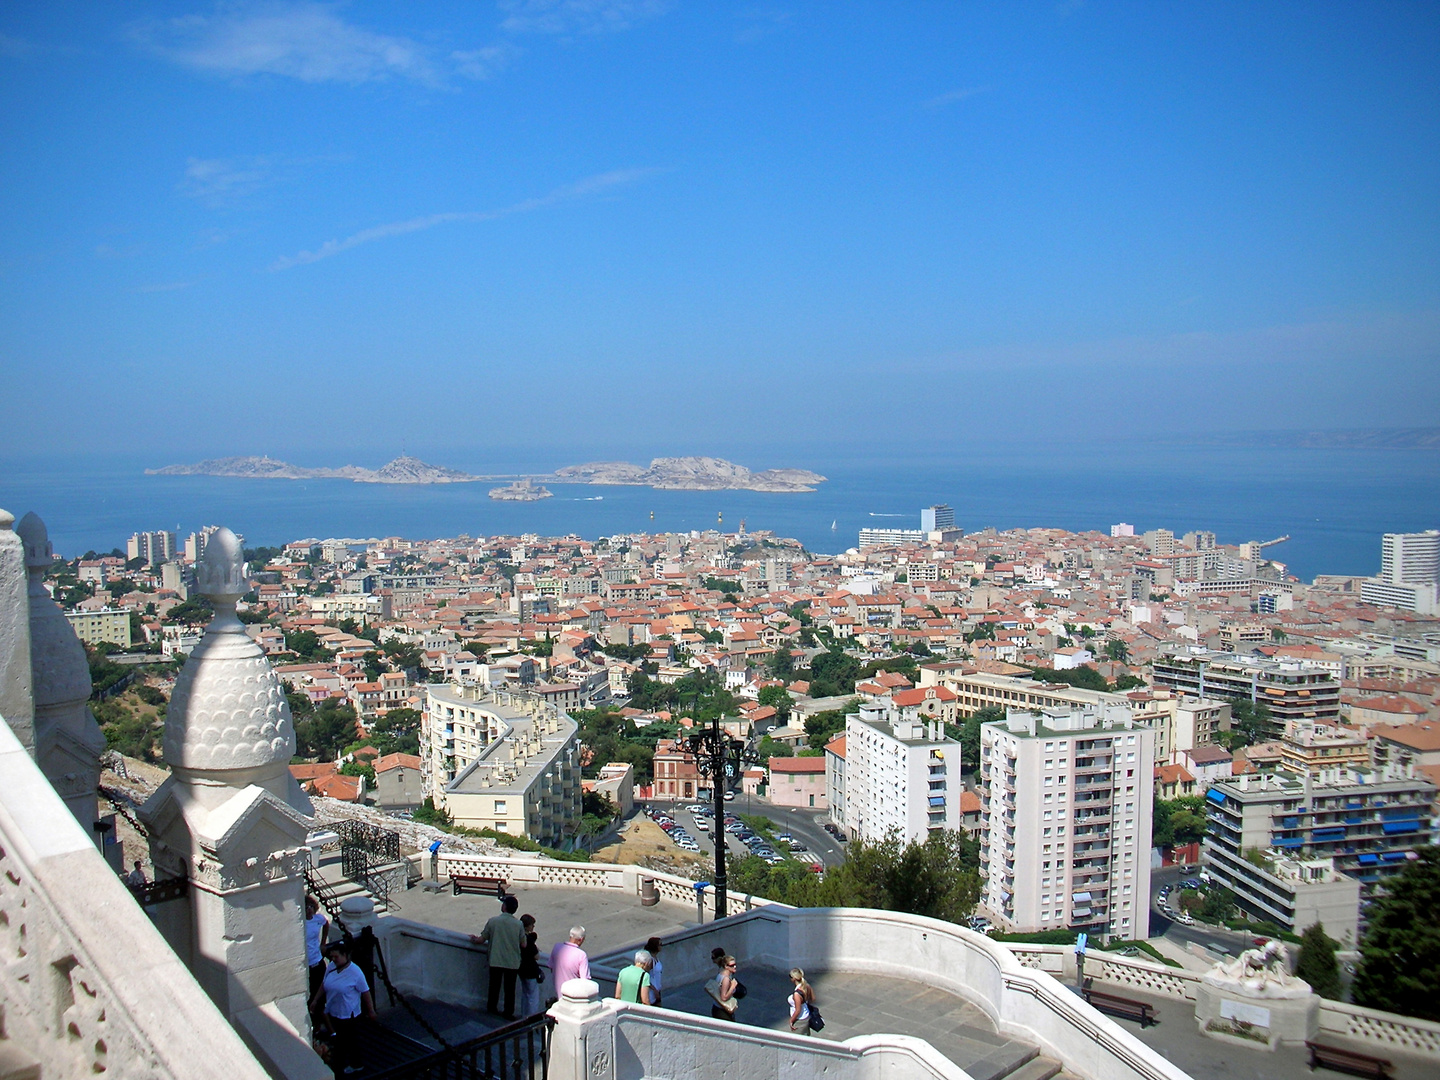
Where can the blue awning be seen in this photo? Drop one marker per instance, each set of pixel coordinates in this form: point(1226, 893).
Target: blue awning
point(1288, 841)
point(1326, 835)
point(937, 800)
point(1395, 856)
point(1398, 812)
point(1368, 859)
point(1401, 826)
point(1215, 795)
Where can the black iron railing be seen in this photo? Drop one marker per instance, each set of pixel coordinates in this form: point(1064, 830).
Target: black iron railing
point(518, 1051)
point(363, 846)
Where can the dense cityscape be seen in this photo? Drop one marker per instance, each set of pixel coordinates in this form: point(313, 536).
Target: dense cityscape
point(484, 677)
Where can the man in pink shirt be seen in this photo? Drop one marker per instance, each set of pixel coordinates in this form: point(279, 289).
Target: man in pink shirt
point(568, 960)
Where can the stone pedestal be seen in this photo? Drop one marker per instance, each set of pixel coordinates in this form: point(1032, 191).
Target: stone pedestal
point(1254, 1002)
point(233, 821)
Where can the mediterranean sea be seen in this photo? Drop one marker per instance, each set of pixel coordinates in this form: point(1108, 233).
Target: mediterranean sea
point(1333, 504)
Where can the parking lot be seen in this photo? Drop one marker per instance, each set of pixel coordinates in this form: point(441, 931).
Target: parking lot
point(690, 827)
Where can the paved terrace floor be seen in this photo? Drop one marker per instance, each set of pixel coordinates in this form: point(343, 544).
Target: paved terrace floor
point(852, 1004)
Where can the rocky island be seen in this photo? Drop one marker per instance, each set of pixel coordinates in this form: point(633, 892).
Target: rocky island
point(403, 470)
point(690, 474)
point(665, 474)
point(520, 491)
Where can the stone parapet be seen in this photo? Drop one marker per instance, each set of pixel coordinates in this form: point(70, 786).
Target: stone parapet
point(89, 985)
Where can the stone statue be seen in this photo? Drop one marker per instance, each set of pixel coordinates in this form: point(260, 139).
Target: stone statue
point(1259, 972)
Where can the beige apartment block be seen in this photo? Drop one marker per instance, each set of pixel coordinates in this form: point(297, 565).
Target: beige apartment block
point(106, 625)
point(1066, 819)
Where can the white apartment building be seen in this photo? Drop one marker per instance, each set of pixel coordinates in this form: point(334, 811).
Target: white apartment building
point(899, 774)
point(1066, 819)
point(498, 760)
point(1409, 572)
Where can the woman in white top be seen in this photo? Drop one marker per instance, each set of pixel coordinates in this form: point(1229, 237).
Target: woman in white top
point(347, 999)
point(317, 933)
point(801, 995)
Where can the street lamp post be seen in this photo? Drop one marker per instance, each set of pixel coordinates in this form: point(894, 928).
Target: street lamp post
point(719, 757)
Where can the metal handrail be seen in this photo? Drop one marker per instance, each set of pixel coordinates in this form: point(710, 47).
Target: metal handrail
point(517, 1051)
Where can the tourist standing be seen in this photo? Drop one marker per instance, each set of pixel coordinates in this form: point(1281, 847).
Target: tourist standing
point(653, 948)
point(725, 989)
point(568, 960)
point(505, 936)
point(530, 974)
point(347, 1000)
point(317, 935)
point(633, 983)
point(802, 996)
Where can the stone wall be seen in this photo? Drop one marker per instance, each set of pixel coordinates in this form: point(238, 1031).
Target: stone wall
point(610, 1040)
point(88, 984)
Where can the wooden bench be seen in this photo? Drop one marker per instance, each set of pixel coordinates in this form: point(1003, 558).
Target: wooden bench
point(1332, 1057)
point(489, 886)
point(1121, 1006)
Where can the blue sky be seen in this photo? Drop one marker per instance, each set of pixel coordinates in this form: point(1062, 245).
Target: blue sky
point(326, 230)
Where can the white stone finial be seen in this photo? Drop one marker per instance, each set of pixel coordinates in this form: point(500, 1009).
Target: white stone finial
point(221, 573)
point(228, 710)
point(39, 553)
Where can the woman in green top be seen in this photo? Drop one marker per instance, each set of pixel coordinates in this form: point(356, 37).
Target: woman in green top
point(634, 981)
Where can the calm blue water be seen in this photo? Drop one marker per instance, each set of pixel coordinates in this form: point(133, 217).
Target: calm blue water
point(1333, 503)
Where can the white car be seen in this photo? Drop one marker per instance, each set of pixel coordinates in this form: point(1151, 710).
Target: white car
point(729, 796)
point(1185, 917)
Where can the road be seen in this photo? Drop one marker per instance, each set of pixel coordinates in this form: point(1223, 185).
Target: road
point(1214, 938)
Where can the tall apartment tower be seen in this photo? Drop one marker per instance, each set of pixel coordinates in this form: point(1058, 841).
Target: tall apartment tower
point(900, 774)
point(1410, 558)
point(153, 547)
point(1409, 573)
point(1066, 819)
point(936, 518)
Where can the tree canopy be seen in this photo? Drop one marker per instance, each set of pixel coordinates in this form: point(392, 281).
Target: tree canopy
point(938, 877)
point(1178, 821)
point(1316, 962)
point(327, 731)
point(1400, 953)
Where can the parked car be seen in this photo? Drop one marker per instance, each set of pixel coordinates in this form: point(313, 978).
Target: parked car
point(729, 796)
point(1185, 917)
point(695, 808)
point(784, 837)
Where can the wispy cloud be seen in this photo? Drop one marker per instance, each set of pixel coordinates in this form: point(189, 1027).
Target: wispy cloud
point(577, 16)
point(589, 186)
point(170, 286)
point(483, 63)
point(762, 22)
point(304, 41)
point(223, 180)
point(14, 46)
point(955, 96)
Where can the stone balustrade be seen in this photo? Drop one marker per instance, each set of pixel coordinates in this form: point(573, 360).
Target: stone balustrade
point(89, 986)
point(605, 1039)
point(1022, 1001)
point(687, 956)
point(529, 869)
point(1380, 1029)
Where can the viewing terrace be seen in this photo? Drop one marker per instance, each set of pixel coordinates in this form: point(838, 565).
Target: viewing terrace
point(933, 999)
